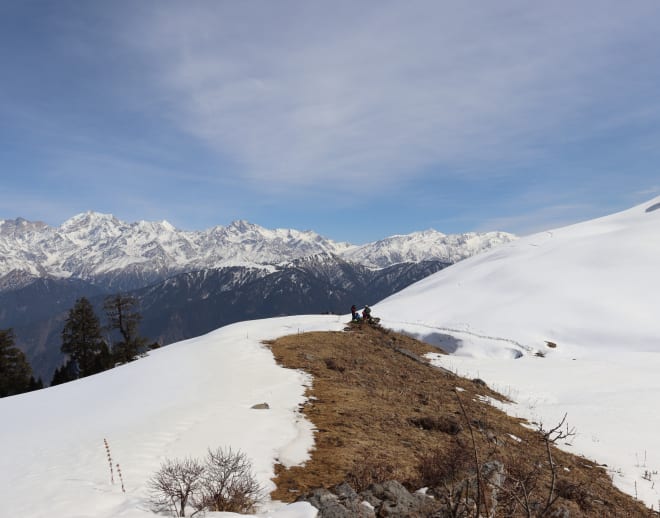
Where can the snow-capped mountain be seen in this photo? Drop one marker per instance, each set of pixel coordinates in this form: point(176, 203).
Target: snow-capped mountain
point(591, 287)
point(429, 245)
point(112, 253)
point(102, 248)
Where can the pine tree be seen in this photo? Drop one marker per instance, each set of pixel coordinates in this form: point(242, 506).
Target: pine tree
point(35, 384)
point(65, 373)
point(123, 316)
point(81, 337)
point(15, 371)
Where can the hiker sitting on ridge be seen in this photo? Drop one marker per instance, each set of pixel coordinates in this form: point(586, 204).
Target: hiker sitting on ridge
point(366, 313)
point(355, 316)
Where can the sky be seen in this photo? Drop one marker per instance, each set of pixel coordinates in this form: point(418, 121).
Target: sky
point(356, 123)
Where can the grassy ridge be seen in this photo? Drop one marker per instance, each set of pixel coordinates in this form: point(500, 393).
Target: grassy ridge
point(380, 414)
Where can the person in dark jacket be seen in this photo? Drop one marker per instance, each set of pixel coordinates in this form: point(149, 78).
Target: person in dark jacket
point(366, 313)
point(355, 316)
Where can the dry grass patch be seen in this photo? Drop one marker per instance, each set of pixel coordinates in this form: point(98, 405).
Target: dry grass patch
point(381, 415)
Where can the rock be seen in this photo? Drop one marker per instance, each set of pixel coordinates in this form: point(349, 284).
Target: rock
point(397, 502)
point(494, 476)
point(261, 406)
point(346, 504)
point(389, 499)
point(345, 492)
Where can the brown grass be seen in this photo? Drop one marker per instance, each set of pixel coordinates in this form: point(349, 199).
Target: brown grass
point(378, 413)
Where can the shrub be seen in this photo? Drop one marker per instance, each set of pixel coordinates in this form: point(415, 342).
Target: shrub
point(176, 483)
point(223, 482)
point(370, 469)
point(446, 467)
point(228, 483)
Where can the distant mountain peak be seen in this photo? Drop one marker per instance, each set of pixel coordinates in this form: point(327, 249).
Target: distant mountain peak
point(101, 248)
point(91, 216)
point(241, 225)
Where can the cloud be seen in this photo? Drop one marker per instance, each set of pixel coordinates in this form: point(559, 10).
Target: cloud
point(541, 219)
point(651, 191)
point(298, 93)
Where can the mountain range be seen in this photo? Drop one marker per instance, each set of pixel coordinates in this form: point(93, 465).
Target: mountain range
point(188, 283)
point(577, 304)
point(113, 254)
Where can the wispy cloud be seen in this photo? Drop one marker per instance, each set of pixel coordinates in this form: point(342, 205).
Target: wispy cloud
point(542, 218)
point(428, 113)
point(297, 93)
point(651, 191)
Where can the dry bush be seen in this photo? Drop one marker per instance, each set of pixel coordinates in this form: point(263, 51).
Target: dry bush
point(228, 483)
point(174, 485)
point(533, 487)
point(332, 364)
point(450, 475)
point(224, 482)
point(521, 493)
point(443, 424)
point(370, 469)
point(578, 493)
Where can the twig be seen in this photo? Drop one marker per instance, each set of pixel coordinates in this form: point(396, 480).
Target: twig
point(551, 437)
point(476, 458)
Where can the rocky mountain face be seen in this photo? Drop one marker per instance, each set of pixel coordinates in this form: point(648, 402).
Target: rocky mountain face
point(189, 283)
point(194, 303)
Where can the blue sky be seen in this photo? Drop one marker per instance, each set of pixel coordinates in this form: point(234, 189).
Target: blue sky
point(358, 123)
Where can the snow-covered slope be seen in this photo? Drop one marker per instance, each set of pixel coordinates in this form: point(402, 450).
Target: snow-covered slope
point(175, 403)
point(592, 290)
point(425, 246)
point(593, 284)
point(102, 249)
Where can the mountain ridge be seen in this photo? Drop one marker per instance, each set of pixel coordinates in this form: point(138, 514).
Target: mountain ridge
point(105, 250)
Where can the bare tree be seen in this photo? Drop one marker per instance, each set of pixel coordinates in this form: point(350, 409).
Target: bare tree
point(175, 485)
point(527, 486)
point(123, 315)
point(228, 483)
point(224, 482)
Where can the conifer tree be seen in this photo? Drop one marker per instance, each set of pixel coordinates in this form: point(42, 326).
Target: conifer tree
point(65, 373)
point(35, 384)
point(123, 316)
point(15, 371)
point(81, 337)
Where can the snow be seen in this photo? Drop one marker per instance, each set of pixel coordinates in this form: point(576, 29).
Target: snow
point(92, 244)
point(177, 402)
point(591, 289)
